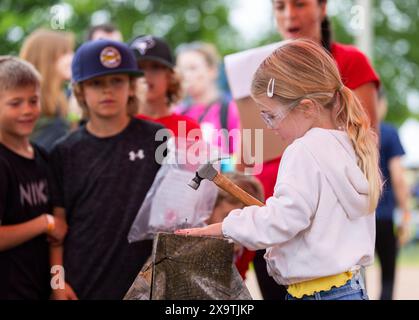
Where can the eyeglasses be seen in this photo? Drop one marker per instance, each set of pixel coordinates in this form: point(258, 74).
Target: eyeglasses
point(271, 119)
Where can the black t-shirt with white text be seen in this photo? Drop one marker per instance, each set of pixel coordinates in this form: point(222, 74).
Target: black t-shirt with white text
point(24, 270)
point(101, 183)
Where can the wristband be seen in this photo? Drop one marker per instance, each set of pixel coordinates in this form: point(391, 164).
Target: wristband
point(51, 222)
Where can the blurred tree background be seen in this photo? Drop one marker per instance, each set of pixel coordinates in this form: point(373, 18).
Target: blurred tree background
point(396, 24)
point(178, 21)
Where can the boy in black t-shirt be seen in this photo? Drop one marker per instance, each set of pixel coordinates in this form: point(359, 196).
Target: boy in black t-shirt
point(24, 201)
point(102, 174)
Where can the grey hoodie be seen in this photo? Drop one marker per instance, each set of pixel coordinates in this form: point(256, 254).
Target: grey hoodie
point(317, 223)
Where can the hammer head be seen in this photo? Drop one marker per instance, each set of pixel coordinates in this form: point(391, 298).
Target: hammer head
point(206, 171)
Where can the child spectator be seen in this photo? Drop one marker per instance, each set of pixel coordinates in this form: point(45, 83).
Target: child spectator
point(102, 173)
point(319, 227)
point(226, 202)
point(25, 220)
point(162, 86)
point(51, 52)
point(216, 113)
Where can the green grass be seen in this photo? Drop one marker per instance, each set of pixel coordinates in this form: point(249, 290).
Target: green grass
point(409, 255)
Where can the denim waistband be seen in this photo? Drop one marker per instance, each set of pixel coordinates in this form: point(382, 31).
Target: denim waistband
point(353, 289)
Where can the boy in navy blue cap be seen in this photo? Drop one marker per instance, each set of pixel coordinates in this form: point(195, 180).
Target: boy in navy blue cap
point(102, 174)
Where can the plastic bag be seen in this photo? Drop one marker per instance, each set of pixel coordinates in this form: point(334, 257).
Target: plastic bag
point(170, 203)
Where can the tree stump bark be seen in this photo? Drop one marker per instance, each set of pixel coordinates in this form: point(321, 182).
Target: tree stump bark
point(189, 268)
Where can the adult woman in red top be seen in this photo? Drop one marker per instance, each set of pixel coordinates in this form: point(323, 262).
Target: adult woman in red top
point(307, 19)
point(162, 86)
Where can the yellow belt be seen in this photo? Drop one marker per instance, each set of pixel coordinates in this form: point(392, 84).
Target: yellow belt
point(298, 290)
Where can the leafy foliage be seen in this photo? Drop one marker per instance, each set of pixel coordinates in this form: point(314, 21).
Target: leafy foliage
point(396, 49)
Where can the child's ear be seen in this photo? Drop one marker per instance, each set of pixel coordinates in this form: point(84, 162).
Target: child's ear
point(308, 107)
point(169, 74)
point(133, 86)
point(78, 91)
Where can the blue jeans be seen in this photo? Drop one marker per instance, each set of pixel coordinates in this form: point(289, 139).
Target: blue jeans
point(354, 289)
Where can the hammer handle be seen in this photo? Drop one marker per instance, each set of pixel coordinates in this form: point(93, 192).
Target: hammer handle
point(227, 185)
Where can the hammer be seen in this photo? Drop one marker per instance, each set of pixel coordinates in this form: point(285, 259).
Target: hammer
point(207, 171)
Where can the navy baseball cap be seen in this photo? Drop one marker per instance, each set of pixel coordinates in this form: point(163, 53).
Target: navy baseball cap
point(102, 57)
point(147, 47)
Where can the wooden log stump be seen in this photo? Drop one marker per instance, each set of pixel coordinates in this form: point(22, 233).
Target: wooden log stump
point(189, 268)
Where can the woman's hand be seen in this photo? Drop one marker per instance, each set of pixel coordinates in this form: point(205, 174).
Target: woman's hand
point(213, 230)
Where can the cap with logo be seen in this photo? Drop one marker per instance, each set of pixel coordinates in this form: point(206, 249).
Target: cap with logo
point(148, 47)
point(102, 57)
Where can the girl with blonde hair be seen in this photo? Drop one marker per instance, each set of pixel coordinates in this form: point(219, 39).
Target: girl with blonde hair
point(319, 226)
point(51, 52)
point(308, 19)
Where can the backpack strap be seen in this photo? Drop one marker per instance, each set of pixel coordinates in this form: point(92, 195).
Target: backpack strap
point(224, 112)
point(224, 118)
point(187, 106)
point(204, 114)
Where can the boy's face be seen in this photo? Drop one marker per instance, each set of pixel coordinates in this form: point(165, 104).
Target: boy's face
point(107, 96)
point(156, 78)
point(19, 110)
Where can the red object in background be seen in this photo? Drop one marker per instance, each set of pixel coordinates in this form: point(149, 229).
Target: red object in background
point(268, 179)
point(242, 261)
point(172, 123)
point(268, 176)
point(354, 66)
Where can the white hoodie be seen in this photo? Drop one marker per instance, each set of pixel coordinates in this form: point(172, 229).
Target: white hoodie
point(317, 223)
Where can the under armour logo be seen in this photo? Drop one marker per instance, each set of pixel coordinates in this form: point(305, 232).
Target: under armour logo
point(133, 155)
point(143, 44)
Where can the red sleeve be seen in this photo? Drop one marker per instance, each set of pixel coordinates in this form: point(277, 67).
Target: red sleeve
point(173, 123)
point(191, 124)
point(354, 66)
point(193, 130)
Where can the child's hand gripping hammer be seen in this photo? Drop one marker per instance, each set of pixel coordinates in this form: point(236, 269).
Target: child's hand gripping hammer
point(207, 171)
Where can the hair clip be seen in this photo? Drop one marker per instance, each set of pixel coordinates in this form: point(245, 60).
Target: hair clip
point(271, 88)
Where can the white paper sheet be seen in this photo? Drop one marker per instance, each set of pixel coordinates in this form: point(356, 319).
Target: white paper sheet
point(241, 66)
